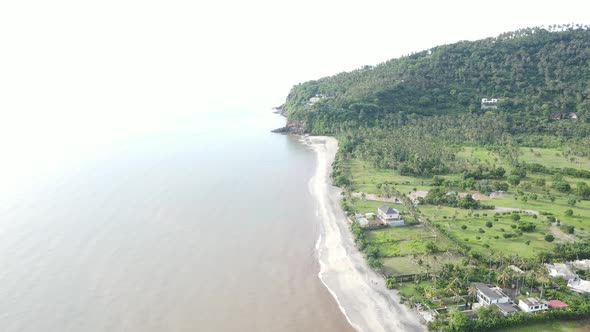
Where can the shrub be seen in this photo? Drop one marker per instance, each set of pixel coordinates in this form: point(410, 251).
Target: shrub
point(481, 231)
point(489, 224)
point(569, 212)
point(515, 217)
point(549, 238)
point(463, 227)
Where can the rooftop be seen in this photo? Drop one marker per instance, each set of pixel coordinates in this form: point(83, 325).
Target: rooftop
point(494, 293)
point(532, 301)
point(560, 270)
point(507, 308)
point(557, 304)
point(387, 210)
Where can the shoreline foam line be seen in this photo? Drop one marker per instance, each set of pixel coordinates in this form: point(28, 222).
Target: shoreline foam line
point(360, 292)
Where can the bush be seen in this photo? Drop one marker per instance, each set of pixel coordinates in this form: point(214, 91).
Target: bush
point(569, 212)
point(515, 217)
point(481, 231)
point(463, 227)
point(549, 238)
point(489, 224)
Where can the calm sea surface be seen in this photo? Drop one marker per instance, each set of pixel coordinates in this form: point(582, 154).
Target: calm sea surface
point(207, 228)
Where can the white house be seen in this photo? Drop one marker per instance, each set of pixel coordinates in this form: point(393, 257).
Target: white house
point(487, 295)
point(489, 103)
point(532, 304)
point(389, 216)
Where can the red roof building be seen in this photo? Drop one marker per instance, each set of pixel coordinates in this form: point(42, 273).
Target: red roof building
point(557, 304)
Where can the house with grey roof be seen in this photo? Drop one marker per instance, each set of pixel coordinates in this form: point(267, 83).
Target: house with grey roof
point(507, 309)
point(389, 216)
point(487, 294)
point(532, 304)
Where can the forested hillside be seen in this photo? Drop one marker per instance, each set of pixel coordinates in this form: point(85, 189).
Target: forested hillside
point(406, 113)
point(534, 73)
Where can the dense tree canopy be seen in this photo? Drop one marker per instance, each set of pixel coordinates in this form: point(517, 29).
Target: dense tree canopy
point(407, 112)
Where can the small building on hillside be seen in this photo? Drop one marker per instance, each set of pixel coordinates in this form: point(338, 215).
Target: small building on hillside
point(560, 270)
point(489, 103)
point(487, 294)
point(507, 309)
point(556, 116)
point(572, 116)
point(389, 216)
point(532, 304)
point(556, 304)
point(579, 285)
point(516, 269)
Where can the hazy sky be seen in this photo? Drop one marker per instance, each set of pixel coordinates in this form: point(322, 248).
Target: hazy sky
point(82, 69)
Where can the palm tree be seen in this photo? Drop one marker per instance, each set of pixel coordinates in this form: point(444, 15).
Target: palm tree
point(503, 278)
point(431, 293)
point(543, 277)
point(472, 291)
point(456, 296)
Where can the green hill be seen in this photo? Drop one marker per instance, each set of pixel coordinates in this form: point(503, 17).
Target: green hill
point(534, 73)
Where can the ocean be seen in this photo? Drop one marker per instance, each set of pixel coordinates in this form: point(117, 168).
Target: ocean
point(206, 227)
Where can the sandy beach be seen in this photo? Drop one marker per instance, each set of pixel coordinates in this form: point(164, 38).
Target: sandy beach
point(359, 291)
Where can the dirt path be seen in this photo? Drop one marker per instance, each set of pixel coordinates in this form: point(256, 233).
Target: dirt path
point(509, 209)
point(373, 197)
point(558, 233)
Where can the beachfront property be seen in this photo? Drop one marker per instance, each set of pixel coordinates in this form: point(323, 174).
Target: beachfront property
point(389, 216)
point(487, 294)
point(532, 304)
point(507, 309)
point(368, 220)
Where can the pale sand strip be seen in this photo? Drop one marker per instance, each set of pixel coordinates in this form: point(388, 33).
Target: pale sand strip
point(359, 291)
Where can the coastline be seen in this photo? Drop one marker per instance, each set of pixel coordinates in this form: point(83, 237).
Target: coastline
point(359, 291)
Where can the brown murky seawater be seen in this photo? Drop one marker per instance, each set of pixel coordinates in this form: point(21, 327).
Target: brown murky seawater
point(213, 231)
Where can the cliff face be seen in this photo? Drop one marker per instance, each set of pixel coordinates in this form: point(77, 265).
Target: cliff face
point(292, 127)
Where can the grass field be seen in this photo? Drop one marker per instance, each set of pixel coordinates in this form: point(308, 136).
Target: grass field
point(516, 244)
point(366, 177)
point(553, 158)
point(406, 240)
point(556, 326)
point(366, 206)
point(407, 264)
